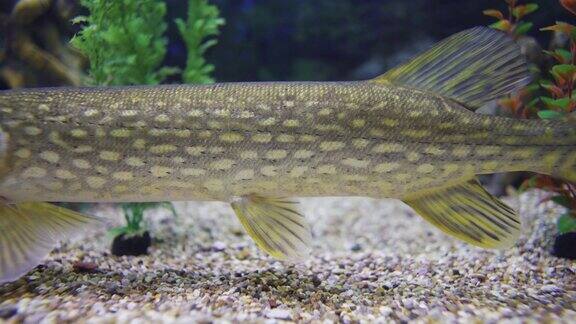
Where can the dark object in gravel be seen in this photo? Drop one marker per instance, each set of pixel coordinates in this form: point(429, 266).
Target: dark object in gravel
point(316, 281)
point(85, 267)
point(8, 311)
point(131, 245)
point(356, 247)
point(565, 246)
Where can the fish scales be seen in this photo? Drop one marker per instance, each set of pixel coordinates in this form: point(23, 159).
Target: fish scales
point(411, 133)
point(215, 142)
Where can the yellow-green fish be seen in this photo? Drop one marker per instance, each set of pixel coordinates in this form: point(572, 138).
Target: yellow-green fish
point(411, 134)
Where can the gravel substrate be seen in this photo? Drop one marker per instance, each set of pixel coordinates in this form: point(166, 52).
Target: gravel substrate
point(372, 260)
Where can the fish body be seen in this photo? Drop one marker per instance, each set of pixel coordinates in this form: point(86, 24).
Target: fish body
point(411, 134)
point(216, 142)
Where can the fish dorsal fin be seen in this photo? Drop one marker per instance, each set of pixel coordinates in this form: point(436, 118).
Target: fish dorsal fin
point(468, 212)
point(29, 231)
point(472, 67)
point(276, 225)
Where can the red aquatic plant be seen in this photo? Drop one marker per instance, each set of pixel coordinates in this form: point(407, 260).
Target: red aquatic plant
point(512, 23)
point(550, 97)
point(570, 5)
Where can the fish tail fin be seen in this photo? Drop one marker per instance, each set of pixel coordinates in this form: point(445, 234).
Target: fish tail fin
point(472, 68)
point(30, 230)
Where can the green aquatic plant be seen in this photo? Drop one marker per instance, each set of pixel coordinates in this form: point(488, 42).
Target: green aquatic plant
point(197, 31)
point(134, 216)
point(551, 96)
point(124, 41)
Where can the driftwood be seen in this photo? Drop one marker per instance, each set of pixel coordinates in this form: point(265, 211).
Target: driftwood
point(34, 48)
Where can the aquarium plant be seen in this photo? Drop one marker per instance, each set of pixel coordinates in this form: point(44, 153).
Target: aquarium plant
point(198, 33)
point(125, 43)
point(513, 23)
point(133, 238)
point(550, 96)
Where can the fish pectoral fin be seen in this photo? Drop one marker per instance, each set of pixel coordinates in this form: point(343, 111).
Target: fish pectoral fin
point(29, 231)
point(470, 213)
point(276, 225)
point(472, 67)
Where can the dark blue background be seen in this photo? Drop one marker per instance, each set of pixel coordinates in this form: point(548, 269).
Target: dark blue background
point(337, 39)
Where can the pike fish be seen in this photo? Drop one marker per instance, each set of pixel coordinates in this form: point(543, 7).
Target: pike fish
point(411, 134)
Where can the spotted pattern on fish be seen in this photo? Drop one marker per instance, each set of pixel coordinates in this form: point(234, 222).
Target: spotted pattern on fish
point(312, 139)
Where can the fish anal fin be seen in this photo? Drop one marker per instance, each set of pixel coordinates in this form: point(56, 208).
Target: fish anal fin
point(29, 231)
point(275, 225)
point(470, 213)
point(472, 67)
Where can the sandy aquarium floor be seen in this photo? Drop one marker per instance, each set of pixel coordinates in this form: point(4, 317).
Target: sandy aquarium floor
point(373, 260)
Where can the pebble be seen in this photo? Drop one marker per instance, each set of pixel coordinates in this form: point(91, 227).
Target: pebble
point(198, 270)
point(316, 281)
point(409, 303)
point(356, 247)
point(218, 246)
point(85, 267)
point(8, 311)
point(551, 289)
point(277, 313)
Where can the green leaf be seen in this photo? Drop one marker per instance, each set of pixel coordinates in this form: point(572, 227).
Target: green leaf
point(561, 27)
point(533, 103)
point(562, 201)
point(564, 68)
point(203, 22)
point(117, 231)
point(563, 103)
point(556, 104)
point(167, 71)
point(494, 13)
point(566, 223)
point(503, 25)
point(531, 7)
point(566, 71)
point(550, 114)
point(532, 87)
point(123, 40)
point(522, 10)
point(561, 55)
point(181, 25)
point(552, 89)
point(523, 27)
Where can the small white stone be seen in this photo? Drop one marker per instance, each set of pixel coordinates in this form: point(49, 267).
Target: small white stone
point(219, 246)
point(278, 313)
